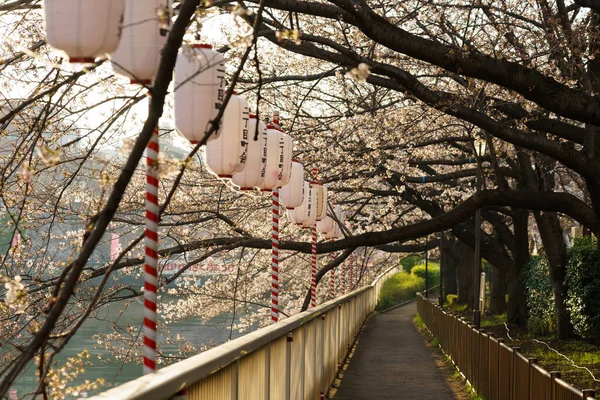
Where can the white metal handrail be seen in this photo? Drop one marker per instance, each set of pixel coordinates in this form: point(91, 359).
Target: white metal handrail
point(237, 369)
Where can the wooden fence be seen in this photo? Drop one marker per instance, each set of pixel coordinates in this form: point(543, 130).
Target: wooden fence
point(495, 370)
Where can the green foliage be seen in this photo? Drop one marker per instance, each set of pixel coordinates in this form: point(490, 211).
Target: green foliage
point(538, 326)
point(583, 283)
point(409, 262)
point(399, 288)
point(419, 321)
point(451, 299)
point(433, 270)
point(539, 295)
point(493, 320)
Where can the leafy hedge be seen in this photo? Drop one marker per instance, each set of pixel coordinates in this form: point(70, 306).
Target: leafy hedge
point(404, 286)
point(433, 270)
point(409, 262)
point(583, 285)
point(539, 295)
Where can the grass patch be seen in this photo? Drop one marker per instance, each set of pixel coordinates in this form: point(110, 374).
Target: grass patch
point(420, 323)
point(493, 320)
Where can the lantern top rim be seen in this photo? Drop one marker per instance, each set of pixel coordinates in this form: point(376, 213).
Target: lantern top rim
point(202, 46)
point(271, 126)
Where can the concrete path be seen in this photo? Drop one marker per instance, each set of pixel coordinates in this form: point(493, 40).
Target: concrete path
point(391, 361)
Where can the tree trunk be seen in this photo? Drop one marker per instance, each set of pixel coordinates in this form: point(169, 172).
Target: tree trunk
point(450, 260)
point(517, 305)
point(464, 273)
point(556, 251)
point(498, 292)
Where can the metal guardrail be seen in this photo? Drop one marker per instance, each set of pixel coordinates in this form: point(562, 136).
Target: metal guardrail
point(496, 371)
point(297, 358)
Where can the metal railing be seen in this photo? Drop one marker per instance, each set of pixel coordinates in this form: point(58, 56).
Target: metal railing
point(297, 358)
point(494, 370)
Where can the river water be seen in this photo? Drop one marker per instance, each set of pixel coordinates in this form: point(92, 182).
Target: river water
point(214, 331)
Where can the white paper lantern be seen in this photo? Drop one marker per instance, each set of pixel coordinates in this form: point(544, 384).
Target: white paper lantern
point(270, 172)
point(312, 206)
point(327, 224)
point(223, 155)
point(321, 202)
point(292, 194)
point(199, 90)
point(83, 29)
point(336, 232)
point(250, 176)
point(143, 37)
point(284, 160)
point(305, 213)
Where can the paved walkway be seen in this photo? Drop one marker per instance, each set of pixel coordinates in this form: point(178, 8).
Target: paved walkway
point(391, 361)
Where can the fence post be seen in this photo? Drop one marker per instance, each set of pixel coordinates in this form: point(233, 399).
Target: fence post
point(532, 360)
point(513, 374)
point(288, 365)
point(554, 375)
point(500, 342)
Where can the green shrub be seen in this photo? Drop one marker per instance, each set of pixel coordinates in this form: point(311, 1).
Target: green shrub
point(409, 262)
point(452, 299)
point(399, 288)
point(539, 295)
point(433, 271)
point(583, 286)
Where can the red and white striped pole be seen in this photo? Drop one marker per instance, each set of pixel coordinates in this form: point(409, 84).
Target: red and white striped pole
point(313, 269)
point(275, 245)
point(343, 279)
point(350, 274)
point(275, 258)
point(332, 277)
point(151, 257)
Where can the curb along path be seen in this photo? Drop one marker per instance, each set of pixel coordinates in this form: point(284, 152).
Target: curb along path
point(391, 361)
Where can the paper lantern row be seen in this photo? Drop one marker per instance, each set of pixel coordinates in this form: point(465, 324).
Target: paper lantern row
point(244, 149)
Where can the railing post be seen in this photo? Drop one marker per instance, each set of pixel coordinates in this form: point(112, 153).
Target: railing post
point(321, 358)
point(513, 375)
point(531, 360)
point(554, 375)
point(288, 365)
point(235, 373)
point(500, 342)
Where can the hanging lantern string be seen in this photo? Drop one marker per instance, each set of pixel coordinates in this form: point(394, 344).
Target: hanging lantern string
point(151, 254)
point(313, 269)
point(332, 276)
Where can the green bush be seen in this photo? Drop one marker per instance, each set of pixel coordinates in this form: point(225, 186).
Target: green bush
point(583, 286)
point(539, 295)
point(433, 271)
point(452, 299)
point(399, 288)
point(409, 262)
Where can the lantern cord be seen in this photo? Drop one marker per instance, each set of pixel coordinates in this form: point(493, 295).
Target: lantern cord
point(151, 255)
point(332, 276)
point(313, 269)
point(275, 257)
